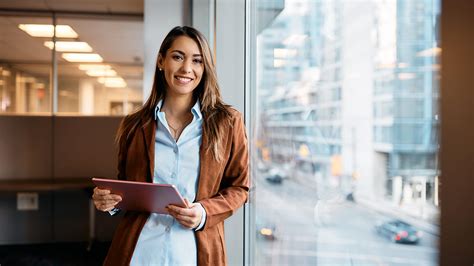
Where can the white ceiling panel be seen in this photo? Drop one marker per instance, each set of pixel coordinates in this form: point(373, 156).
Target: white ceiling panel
point(99, 6)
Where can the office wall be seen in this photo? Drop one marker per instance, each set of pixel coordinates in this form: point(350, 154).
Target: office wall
point(230, 63)
point(159, 18)
point(457, 133)
point(54, 149)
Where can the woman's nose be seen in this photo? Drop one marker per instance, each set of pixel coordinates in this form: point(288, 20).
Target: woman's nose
point(186, 67)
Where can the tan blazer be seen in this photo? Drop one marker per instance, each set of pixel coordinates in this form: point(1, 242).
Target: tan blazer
point(222, 189)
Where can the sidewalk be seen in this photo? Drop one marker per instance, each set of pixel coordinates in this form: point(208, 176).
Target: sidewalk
point(409, 213)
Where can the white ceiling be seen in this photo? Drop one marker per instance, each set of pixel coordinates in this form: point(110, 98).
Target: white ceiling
point(118, 40)
point(102, 6)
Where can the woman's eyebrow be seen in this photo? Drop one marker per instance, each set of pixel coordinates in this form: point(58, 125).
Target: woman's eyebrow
point(182, 53)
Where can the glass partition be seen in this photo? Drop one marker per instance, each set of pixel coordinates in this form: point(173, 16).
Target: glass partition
point(103, 75)
point(99, 64)
point(345, 159)
point(25, 65)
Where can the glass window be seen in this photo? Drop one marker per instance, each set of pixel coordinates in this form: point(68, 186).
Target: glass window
point(25, 65)
point(111, 83)
point(99, 65)
point(345, 170)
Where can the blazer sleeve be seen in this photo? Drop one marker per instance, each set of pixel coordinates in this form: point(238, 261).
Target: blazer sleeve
point(234, 187)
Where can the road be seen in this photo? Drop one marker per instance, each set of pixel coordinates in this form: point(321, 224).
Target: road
point(329, 231)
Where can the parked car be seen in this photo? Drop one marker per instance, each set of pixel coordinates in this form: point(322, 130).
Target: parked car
point(275, 176)
point(399, 231)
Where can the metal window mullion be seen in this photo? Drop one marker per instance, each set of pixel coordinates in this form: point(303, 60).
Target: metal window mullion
point(54, 74)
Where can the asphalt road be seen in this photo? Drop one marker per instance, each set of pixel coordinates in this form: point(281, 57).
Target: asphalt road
point(327, 230)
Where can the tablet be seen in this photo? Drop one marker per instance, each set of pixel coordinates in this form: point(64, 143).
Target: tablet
point(142, 196)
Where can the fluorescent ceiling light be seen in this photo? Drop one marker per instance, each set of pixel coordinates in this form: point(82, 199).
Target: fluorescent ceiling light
point(86, 67)
point(116, 82)
point(46, 30)
point(101, 72)
point(78, 57)
point(69, 46)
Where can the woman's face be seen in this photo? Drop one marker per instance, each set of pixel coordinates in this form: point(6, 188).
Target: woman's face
point(182, 67)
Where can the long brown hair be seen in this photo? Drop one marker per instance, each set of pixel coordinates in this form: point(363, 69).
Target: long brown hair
point(215, 112)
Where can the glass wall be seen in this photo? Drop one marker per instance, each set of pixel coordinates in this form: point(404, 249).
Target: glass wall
point(98, 60)
point(25, 66)
point(346, 133)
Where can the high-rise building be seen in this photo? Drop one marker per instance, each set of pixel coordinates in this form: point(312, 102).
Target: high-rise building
point(352, 98)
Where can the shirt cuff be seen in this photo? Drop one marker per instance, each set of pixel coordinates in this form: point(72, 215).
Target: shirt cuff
point(203, 218)
point(114, 211)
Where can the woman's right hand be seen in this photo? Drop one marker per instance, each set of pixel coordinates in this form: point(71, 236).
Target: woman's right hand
point(104, 200)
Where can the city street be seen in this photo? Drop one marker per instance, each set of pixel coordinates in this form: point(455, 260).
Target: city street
point(331, 231)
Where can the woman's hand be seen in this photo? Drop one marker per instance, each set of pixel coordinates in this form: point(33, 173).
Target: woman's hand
point(189, 217)
point(104, 201)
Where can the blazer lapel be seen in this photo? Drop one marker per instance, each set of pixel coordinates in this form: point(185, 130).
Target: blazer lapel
point(205, 161)
point(149, 131)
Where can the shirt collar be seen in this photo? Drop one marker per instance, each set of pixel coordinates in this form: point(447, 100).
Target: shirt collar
point(196, 110)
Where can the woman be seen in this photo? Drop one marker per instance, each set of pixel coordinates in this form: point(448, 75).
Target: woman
point(184, 135)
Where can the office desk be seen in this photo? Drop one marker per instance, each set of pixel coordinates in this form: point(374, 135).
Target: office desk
point(51, 185)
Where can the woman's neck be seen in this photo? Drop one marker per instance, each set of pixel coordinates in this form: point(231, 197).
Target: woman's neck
point(177, 106)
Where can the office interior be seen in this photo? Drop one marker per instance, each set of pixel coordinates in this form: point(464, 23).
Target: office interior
point(357, 113)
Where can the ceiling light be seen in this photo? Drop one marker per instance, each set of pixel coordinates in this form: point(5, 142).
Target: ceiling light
point(101, 72)
point(69, 46)
point(46, 30)
point(86, 67)
point(116, 82)
point(78, 57)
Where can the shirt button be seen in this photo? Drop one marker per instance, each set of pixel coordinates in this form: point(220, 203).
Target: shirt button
point(173, 175)
point(175, 149)
point(168, 228)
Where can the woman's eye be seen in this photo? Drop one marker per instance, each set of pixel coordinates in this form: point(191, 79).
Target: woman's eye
point(197, 61)
point(177, 57)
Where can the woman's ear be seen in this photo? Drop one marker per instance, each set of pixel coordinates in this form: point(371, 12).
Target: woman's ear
point(159, 62)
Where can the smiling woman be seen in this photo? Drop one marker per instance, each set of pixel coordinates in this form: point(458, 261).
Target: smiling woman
point(182, 66)
point(187, 136)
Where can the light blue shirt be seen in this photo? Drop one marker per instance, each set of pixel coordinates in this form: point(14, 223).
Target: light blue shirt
point(163, 241)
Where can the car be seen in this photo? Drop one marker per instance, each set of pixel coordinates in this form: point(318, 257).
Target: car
point(265, 230)
point(275, 179)
point(399, 231)
point(275, 176)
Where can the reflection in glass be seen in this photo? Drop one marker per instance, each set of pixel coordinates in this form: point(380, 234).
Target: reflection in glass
point(25, 67)
point(347, 133)
point(108, 83)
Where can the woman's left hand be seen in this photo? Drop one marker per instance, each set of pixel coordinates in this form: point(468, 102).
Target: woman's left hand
point(189, 217)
